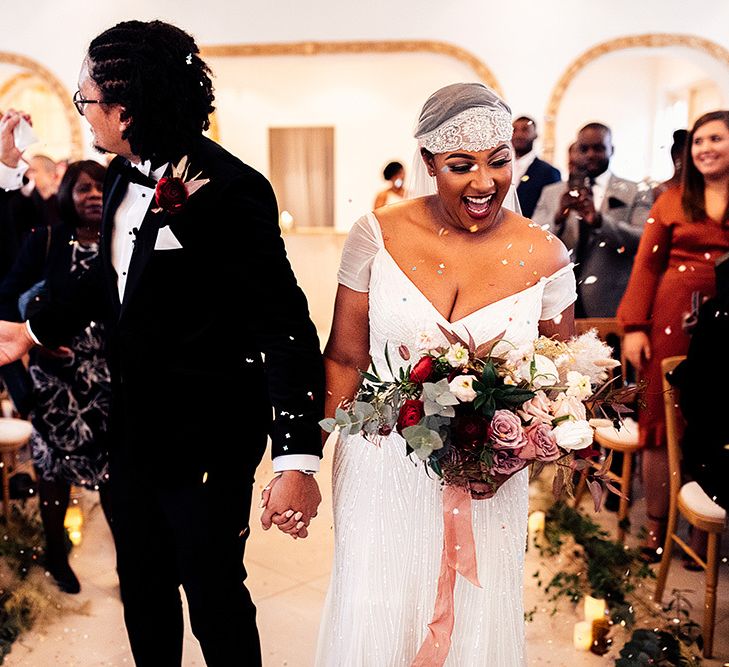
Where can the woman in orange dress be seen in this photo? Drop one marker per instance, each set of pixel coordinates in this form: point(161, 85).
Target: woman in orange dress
point(687, 231)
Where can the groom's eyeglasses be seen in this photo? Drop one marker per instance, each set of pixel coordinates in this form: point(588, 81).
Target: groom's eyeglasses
point(80, 103)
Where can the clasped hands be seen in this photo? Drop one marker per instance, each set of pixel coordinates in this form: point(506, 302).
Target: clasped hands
point(290, 501)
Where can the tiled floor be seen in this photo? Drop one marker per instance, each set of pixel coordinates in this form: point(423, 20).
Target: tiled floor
point(288, 580)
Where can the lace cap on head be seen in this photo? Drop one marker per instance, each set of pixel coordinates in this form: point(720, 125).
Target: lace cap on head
point(465, 116)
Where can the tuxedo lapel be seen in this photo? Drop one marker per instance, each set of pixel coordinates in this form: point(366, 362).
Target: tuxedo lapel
point(143, 246)
point(111, 204)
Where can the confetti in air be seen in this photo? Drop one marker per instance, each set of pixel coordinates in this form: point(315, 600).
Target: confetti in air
point(590, 280)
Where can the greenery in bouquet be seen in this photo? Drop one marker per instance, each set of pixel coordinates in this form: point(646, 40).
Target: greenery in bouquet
point(477, 414)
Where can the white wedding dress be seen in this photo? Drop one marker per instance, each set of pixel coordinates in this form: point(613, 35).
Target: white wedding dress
point(388, 518)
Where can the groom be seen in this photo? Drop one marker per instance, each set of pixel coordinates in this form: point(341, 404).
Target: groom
point(208, 331)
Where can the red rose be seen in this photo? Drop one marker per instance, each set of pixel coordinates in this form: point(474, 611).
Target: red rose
point(411, 413)
point(469, 430)
point(171, 194)
point(422, 370)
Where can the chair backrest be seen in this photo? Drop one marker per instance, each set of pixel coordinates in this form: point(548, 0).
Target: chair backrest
point(674, 425)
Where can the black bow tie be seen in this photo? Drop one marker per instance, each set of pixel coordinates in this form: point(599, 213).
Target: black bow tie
point(133, 175)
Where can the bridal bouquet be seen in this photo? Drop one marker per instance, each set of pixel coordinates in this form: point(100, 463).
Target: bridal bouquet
point(476, 415)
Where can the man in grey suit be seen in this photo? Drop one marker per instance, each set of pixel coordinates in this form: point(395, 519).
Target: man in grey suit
point(600, 219)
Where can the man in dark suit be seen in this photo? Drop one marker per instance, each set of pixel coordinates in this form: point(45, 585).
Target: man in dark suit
point(207, 332)
point(530, 174)
point(600, 218)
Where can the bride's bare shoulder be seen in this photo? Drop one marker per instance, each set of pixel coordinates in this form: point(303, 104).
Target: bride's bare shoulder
point(544, 251)
point(404, 217)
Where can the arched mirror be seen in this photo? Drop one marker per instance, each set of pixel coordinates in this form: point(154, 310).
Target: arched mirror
point(321, 120)
point(643, 87)
point(26, 84)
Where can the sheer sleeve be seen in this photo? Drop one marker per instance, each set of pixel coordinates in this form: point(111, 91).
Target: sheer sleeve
point(560, 290)
point(359, 251)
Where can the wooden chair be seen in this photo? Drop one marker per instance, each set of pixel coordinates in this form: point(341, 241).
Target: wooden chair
point(625, 440)
point(690, 501)
point(14, 435)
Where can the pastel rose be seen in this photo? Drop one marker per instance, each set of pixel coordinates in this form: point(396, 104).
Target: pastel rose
point(507, 463)
point(457, 355)
point(545, 375)
point(462, 388)
point(505, 431)
point(537, 409)
point(573, 435)
point(425, 341)
point(541, 444)
point(568, 406)
point(578, 385)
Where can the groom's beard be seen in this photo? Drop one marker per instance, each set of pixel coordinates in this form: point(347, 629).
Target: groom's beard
point(100, 149)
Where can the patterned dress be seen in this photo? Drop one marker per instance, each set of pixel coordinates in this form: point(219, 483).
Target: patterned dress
point(72, 403)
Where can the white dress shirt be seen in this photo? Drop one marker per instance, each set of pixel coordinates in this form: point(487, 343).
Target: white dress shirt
point(520, 166)
point(11, 178)
point(599, 188)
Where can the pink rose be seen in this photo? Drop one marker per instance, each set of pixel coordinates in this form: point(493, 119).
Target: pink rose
point(537, 409)
point(505, 431)
point(507, 463)
point(541, 444)
point(571, 406)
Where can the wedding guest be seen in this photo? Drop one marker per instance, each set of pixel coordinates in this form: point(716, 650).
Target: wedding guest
point(394, 172)
point(702, 394)
point(71, 387)
point(173, 287)
point(600, 218)
point(678, 149)
point(687, 230)
point(531, 174)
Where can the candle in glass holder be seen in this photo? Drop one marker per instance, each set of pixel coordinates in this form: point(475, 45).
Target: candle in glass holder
point(536, 525)
point(600, 642)
point(582, 636)
point(73, 523)
point(595, 608)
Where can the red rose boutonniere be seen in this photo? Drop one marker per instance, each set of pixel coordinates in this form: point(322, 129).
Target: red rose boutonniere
point(172, 193)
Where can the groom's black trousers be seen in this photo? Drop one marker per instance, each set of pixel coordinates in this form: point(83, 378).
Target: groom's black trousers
point(192, 534)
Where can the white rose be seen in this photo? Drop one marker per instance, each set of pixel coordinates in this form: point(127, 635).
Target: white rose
point(425, 341)
point(578, 385)
point(573, 434)
point(462, 388)
point(568, 406)
point(457, 355)
point(545, 374)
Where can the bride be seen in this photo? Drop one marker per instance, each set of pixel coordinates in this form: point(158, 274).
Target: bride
point(459, 259)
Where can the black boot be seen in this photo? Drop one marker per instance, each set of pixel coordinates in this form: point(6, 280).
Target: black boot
point(54, 497)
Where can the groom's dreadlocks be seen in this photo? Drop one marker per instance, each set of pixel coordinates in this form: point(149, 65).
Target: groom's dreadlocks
point(154, 71)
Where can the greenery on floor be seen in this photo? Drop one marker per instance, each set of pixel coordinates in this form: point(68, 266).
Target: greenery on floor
point(582, 560)
point(25, 592)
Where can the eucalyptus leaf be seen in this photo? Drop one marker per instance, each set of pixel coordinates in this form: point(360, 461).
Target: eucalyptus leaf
point(328, 424)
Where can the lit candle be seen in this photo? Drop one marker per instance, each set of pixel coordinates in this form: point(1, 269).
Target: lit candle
point(535, 525)
point(582, 637)
point(595, 608)
point(73, 521)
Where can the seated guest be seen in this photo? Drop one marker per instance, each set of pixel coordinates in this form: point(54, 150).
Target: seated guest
point(529, 173)
point(703, 394)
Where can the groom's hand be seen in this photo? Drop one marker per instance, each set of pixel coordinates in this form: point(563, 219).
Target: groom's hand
point(15, 341)
point(291, 501)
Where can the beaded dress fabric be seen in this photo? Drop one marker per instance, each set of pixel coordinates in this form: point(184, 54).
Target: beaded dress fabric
point(388, 511)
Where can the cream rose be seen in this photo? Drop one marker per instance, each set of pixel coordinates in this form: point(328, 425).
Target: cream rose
point(573, 434)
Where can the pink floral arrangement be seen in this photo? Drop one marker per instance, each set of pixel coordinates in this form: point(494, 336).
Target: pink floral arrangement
point(476, 415)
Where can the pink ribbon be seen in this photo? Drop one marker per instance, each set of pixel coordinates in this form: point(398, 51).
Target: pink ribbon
point(459, 555)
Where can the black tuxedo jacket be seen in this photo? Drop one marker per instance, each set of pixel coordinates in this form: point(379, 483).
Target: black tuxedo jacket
point(539, 174)
point(191, 392)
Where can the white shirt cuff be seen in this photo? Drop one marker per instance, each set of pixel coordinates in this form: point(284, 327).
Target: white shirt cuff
point(11, 178)
point(32, 335)
point(303, 462)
